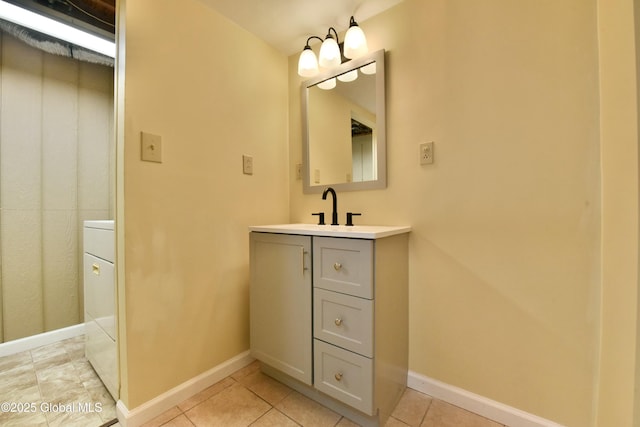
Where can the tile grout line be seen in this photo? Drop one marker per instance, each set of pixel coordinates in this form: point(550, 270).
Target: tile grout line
point(424, 417)
point(35, 373)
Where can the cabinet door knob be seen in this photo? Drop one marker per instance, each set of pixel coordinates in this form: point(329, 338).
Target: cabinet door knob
point(337, 266)
point(338, 321)
point(96, 269)
point(338, 376)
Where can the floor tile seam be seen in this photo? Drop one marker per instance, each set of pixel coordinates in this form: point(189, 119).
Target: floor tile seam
point(66, 346)
point(40, 395)
point(342, 417)
point(424, 416)
point(210, 397)
point(260, 397)
point(287, 416)
point(279, 411)
point(170, 419)
point(185, 415)
point(400, 421)
point(30, 356)
point(253, 422)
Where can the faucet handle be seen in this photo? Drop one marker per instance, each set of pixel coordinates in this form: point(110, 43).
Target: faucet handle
point(320, 217)
point(350, 216)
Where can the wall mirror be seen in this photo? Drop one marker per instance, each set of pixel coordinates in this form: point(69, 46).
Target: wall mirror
point(343, 125)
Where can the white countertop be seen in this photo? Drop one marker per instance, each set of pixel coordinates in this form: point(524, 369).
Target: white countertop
point(355, 232)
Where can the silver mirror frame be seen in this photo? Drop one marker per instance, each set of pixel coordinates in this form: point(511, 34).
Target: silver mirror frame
point(381, 142)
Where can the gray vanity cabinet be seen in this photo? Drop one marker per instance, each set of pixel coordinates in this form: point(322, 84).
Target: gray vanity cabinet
point(280, 305)
point(329, 317)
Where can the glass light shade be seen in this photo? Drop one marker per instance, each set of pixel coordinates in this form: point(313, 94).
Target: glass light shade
point(348, 77)
point(369, 69)
point(307, 64)
point(355, 43)
point(327, 84)
point(330, 53)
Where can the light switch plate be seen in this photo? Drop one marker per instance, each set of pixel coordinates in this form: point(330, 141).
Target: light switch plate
point(247, 165)
point(151, 147)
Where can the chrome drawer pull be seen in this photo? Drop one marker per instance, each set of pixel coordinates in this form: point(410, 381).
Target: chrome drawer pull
point(338, 321)
point(337, 266)
point(303, 253)
point(96, 269)
point(338, 376)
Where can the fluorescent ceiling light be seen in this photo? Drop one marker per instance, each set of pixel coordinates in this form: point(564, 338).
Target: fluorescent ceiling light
point(56, 29)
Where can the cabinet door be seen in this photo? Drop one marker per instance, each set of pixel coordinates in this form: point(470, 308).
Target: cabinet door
point(280, 303)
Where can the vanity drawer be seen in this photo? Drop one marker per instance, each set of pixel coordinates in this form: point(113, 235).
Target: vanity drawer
point(343, 265)
point(343, 320)
point(343, 375)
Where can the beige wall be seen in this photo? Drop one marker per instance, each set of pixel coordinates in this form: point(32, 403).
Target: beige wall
point(523, 255)
point(213, 92)
point(619, 147)
point(505, 247)
point(56, 121)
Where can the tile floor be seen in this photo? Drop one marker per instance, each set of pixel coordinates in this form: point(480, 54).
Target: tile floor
point(250, 398)
point(55, 386)
point(60, 374)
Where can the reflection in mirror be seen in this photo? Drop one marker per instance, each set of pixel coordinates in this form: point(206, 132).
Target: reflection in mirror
point(343, 124)
point(363, 152)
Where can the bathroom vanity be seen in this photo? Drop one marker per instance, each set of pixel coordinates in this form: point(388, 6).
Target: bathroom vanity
point(100, 302)
point(329, 313)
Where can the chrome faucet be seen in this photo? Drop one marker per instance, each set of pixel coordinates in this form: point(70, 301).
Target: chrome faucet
point(334, 215)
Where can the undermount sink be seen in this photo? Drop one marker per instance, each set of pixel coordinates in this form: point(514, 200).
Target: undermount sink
point(356, 231)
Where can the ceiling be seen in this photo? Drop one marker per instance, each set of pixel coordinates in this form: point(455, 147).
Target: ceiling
point(97, 16)
point(286, 24)
point(283, 24)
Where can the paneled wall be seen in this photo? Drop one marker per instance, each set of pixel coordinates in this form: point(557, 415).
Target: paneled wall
point(56, 170)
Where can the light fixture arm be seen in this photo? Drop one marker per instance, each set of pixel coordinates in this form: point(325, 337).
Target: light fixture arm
point(307, 46)
point(329, 36)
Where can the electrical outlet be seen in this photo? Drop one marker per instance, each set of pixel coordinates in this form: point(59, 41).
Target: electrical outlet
point(247, 165)
point(426, 153)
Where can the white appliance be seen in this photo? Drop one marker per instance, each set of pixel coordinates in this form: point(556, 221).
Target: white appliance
point(100, 302)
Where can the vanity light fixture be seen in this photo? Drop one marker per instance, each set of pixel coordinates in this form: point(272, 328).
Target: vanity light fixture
point(355, 45)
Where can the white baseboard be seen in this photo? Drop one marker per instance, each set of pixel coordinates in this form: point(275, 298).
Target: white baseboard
point(160, 404)
point(480, 405)
point(28, 343)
